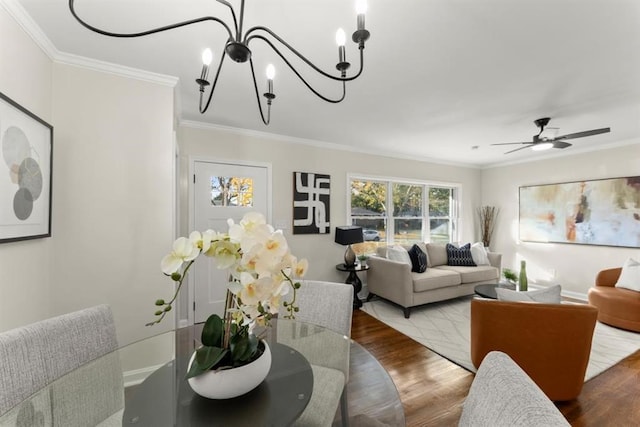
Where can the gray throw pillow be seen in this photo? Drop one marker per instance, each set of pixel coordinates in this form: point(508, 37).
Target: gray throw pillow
point(550, 295)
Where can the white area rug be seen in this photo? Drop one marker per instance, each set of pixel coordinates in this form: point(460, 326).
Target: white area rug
point(444, 327)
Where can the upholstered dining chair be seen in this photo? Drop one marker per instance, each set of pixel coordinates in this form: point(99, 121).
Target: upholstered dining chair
point(550, 342)
point(62, 371)
point(329, 305)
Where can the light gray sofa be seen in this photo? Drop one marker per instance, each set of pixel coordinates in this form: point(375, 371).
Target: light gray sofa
point(503, 395)
point(63, 371)
point(394, 280)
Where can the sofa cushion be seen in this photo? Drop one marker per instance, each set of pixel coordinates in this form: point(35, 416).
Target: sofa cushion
point(482, 273)
point(418, 259)
point(550, 295)
point(630, 275)
point(459, 256)
point(479, 254)
point(436, 255)
point(398, 253)
point(434, 278)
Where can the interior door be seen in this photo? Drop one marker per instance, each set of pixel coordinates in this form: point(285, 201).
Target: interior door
point(221, 191)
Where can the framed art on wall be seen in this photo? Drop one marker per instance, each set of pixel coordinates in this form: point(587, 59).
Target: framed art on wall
point(596, 212)
point(311, 195)
point(25, 173)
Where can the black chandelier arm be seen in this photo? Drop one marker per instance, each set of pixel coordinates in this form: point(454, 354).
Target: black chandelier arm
point(151, 31)
point(318, 94)
point(213, 85)
point(233, 15)
point(248, 38)
point(255, 86)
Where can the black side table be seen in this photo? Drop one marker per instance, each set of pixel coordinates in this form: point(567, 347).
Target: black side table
point(354, 280)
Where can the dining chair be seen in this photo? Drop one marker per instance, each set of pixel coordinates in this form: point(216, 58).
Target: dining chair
point(62, 371)
point(329, 305)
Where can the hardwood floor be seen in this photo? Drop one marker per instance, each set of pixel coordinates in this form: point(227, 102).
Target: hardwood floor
point(432, 389)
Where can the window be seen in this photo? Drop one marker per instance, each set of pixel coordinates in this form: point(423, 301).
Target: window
point(394, 211)
point(231, 191)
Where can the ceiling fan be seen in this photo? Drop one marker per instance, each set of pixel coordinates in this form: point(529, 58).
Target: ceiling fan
point(544, 143)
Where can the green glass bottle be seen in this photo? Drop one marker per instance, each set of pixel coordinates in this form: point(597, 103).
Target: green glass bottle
point(522, 280)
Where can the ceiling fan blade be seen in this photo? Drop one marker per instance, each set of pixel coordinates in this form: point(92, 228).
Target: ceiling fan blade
point(584, 133)
point(518, 149)
point(512, 143)
point(561, 144)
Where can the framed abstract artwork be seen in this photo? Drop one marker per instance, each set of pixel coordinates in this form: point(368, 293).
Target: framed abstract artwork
point(311, 196)
point(25, 173)
point(596, 212)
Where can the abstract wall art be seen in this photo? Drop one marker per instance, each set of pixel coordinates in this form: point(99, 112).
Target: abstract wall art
point(25, 173)
point(311, 194)
point(596, 212)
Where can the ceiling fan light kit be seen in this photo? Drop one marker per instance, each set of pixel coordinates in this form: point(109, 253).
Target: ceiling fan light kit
point(237, 48)
point(540, 143)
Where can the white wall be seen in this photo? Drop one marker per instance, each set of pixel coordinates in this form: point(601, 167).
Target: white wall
point(25, 77)
point(286, 157)
point(113, 199)
point(573, 266)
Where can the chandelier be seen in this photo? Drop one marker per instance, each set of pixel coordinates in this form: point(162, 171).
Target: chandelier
point(237, 48)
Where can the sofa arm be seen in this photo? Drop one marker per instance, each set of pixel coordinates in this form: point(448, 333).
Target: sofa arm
point(390, 280)
point(608, 277)
point(503, 395)
point(495, 259)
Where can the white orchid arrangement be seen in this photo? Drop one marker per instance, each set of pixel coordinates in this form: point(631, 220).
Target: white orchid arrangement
point(262, 271)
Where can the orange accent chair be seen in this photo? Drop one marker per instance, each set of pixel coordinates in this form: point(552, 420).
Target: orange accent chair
point(617, 307)
point(550, 342)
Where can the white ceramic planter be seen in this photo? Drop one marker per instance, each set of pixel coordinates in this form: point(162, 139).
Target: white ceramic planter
point(228, 383)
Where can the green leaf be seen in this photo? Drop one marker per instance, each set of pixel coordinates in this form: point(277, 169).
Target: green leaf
point(243, 347)
point(206, 358)
point(212, 331)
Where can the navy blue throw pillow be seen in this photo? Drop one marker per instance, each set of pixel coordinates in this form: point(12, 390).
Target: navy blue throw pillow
point(460, 257)
point(418, 259)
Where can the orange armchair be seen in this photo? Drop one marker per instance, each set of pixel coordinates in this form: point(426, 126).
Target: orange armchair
point(550, 342)
point(617, 307)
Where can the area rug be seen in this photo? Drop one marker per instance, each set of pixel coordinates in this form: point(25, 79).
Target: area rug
point(444, 328)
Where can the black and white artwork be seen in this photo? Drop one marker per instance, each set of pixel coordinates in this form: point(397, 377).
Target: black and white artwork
point(25, 173)
point(311, 193)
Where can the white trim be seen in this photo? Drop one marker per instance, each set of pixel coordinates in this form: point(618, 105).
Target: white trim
point(137, 376)
point(29, 26)
point(319, 144)
point(575, 295)
point(116, 69)
point(33, 30)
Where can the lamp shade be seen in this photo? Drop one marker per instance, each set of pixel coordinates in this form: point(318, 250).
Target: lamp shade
point(349, 234)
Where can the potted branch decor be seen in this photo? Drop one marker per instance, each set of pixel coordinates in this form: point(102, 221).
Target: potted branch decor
point(262, 270)
point(488, 215)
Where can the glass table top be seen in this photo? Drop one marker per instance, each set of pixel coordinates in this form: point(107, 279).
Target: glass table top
point(157, 394)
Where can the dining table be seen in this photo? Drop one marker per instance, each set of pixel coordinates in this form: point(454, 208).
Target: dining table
point(157, 393)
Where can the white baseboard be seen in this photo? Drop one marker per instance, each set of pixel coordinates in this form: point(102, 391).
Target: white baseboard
point(136, 376)
point(575, 295)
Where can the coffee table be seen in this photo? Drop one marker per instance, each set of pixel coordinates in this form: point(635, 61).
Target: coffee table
point(489, 290)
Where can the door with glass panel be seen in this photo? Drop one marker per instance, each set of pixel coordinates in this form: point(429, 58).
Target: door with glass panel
point(221, 191)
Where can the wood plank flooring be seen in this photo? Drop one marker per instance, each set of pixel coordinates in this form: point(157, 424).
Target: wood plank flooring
point(432, 389)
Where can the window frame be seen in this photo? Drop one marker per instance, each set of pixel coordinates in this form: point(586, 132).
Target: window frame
point(388, 218)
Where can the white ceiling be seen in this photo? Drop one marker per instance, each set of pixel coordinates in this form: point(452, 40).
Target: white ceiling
point(440, 77)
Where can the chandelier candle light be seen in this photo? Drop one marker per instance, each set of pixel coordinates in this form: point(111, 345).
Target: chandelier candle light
point(237, 48)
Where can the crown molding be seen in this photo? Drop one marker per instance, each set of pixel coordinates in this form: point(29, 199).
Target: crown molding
point(29, 26)
point(315, 143)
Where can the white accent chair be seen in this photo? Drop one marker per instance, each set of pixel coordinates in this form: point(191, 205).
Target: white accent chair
point(329, 305)
point(62, 371)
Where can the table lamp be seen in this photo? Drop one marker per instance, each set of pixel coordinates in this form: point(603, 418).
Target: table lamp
point(348, 235)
